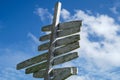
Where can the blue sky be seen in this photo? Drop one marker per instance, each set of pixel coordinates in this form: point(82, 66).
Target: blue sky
point(21, 21)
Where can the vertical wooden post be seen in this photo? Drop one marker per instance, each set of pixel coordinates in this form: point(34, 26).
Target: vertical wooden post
point(52, 39)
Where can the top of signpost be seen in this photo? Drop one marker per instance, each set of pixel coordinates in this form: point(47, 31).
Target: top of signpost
point(57, 13)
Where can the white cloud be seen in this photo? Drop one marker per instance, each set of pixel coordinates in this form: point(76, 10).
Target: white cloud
point(44, 14)
point(99, 43)
point(65, 14)
point(118, 18)
point(12, 74)
point(10, 57)
point(99, 51)
point(34, 38)
point(114, 10)
point(76, 78)
point(13, 54)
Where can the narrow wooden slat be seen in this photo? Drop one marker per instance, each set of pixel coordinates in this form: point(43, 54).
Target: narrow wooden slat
point(62, 33)
point(68, 40)
point(36, 68)
point(63, 26)
point(43, 57)
point(32, 61)
point(55, 72)
point(39, 74)
point(45, 37)
point(44, 46)
point(47, 28)
point(68, 31)
point(56, 61)
point(65, 58)
point(71, 24)
point(67, 48)
point(64, 73)
point(60, 42)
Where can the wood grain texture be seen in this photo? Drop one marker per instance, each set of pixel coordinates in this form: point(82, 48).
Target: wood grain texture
point(63, 26)
point(66, 48)
point(57, 72)
point(56, 61)
point(32, 61)
point(43, 57)
point(60, 42)
point(61, 33)
point(62, 74)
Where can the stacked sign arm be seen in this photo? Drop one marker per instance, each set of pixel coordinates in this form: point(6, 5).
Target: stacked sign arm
point(64, 31)
point(56, 61)
point(66, 72)
point(62, 40)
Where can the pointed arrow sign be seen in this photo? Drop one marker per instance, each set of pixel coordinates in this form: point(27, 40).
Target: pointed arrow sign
point(66, 72)
point(59, 60)
point(60, 42)
point(63, 26)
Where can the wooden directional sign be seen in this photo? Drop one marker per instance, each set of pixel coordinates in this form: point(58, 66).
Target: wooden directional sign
point(56, 73)
point(62, 33)
point(63, 26)
point(66, 48)
point(40, 74)
point(34, 60)
point(62, 40)
point(43, 57)
point(63, 73)
point(56, 61)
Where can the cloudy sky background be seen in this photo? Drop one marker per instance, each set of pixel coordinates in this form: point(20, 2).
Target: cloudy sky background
point(99, 53)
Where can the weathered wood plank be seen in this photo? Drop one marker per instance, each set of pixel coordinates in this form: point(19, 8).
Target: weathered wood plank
point(32, 61)
point(64, 73)
point(66, 49)
point(44, 46)
point(45, 37)
point(55, 72)
point(68, 31)
point(65, 58)
point(71, 24)
point(39, 74)
point(62, 33)
point(56, 61)
point(36, 68)
point(43, 57)
point(60, 42)
point(67, 40)
point(47, 28)
point(63, 26)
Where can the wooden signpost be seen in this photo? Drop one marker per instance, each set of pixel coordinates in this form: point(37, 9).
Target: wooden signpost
point(62, 40)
